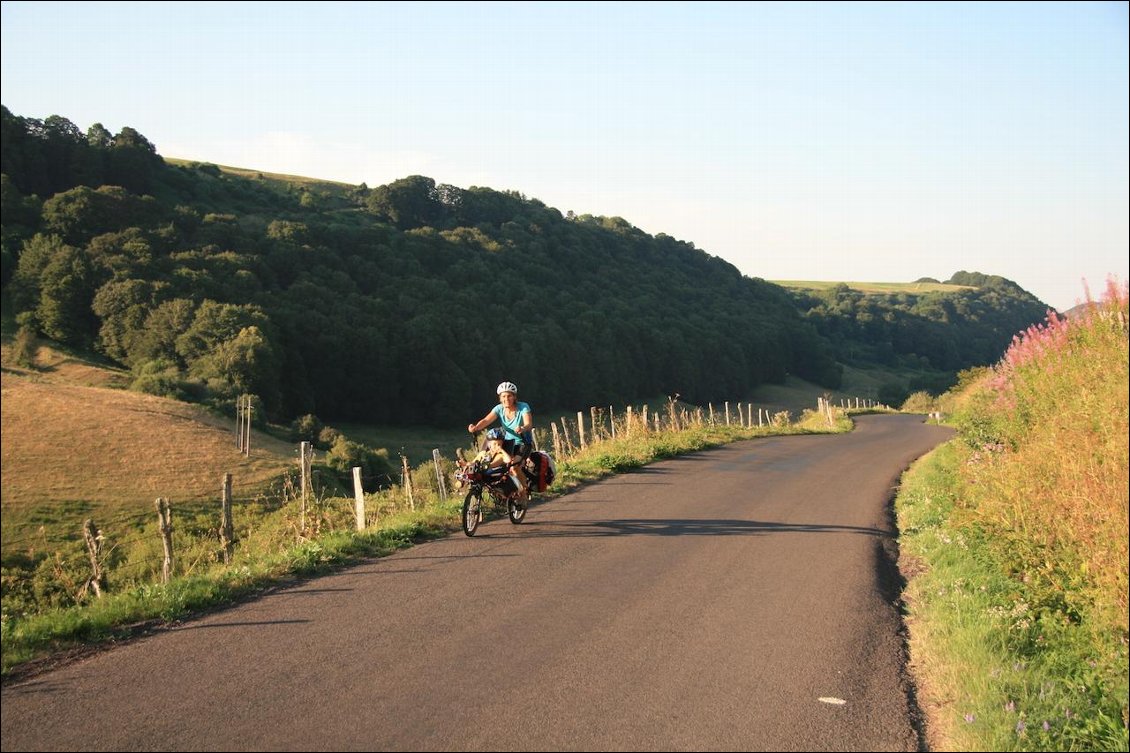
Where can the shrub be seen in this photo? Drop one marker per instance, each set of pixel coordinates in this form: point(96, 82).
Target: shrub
point(327, 437)
point(919, 402)
point(24, 347)
point(306, 428)
point(345, 454)
point(163, 379)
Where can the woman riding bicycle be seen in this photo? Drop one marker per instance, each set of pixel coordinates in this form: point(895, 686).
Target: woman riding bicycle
point(517, 421)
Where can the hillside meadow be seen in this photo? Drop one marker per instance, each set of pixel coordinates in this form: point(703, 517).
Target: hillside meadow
point(915, 288)
point(75, 446)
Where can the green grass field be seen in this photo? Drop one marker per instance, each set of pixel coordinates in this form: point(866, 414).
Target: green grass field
point(874, 287)
point(415, 443)
point(329, 186)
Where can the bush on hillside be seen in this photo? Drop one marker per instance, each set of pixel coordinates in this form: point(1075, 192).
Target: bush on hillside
point(306, 428)
point(377, 470)
point(162, 378)
point(919, 402)
point(327, 437)
point(24, 348)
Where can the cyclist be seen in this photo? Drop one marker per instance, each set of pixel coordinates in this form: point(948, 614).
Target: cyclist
point(517, 421)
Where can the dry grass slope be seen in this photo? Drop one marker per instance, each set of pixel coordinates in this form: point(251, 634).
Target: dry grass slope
point(70, 444)
point(875, 287)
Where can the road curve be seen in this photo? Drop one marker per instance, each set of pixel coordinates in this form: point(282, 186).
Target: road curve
point(705, 602)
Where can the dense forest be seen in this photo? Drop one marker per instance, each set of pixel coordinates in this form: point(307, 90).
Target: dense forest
point(408, 302)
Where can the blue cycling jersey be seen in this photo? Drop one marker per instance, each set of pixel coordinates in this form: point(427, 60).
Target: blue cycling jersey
point(515, 424)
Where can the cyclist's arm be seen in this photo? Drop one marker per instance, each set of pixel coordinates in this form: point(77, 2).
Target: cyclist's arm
point(483, 423)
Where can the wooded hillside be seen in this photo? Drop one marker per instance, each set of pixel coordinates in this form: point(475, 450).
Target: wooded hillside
point(405, 303)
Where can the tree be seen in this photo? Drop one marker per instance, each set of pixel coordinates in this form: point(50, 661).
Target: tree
point(408, 203)
point(123, 306)
point(38, 252)
point(67, 286)
point(247, 363)
point(133, 162)
point(164, 326)
point(229, 346)
point(83, 213)
point(98, 137)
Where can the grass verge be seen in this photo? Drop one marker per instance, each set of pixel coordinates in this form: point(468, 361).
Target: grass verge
point(1002, 662)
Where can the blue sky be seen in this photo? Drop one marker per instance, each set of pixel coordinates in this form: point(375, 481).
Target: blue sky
point(822, 141)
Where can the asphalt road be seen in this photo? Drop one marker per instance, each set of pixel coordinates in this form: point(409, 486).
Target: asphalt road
point(706, 602)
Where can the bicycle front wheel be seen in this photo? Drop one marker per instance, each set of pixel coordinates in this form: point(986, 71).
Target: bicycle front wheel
point(472, 512)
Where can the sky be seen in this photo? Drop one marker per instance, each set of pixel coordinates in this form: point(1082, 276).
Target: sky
point(879, 142)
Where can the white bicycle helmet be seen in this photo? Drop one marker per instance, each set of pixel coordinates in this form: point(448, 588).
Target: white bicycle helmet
point(507, 387)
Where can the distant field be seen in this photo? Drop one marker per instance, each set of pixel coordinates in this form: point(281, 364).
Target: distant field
point(416, 443)
point(874, 287)
point(796, 394)
point(275, 177)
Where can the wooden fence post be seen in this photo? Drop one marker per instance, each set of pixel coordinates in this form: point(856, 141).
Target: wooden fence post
point(643, 420)
point(612, 421)
point(93, 538)
point(581, 427)
point(568, 443)
point(556, 441)
point(239, 422)
point(226, 528)
point(438, 463)
point(406, 473)
point(243, 423)
point(304, 464)
point(165, 525)
point(247, 424)
point(358, 499)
